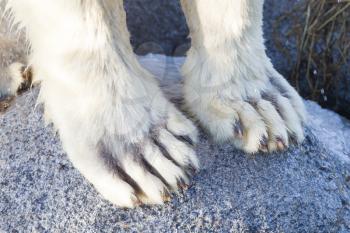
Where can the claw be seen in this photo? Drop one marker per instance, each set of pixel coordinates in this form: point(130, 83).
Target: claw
point(264, 144)
point(136, 201)
point(293, 139)
point(181, 184)
point(166, 196)
point(281, 145)
point(238, 129)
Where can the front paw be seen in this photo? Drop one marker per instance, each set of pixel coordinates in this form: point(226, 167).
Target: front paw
point(131, 172)
point(255, 115)
point(162, 163)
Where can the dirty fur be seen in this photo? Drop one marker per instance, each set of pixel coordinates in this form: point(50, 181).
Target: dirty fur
point(114, 121)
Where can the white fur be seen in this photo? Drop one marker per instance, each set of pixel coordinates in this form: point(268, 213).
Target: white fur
point(165, 167)
point(151, 185)
point(178, 150)
point(274, 123)
point(227, 72)
point(110, 112)
point(96, 93)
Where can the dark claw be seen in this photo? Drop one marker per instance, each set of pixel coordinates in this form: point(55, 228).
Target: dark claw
point(264, 144)
point(166, 196)
point(238, 129)
point(136, 201)
point(181, 184)
point(293, 139)
point(281, 145)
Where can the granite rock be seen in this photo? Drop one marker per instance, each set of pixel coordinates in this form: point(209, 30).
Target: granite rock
point(305, 189)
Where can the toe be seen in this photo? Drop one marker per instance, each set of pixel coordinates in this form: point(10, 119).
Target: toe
point(254, 128)
point(289, 92)
point(291, 118)
point(277, 130)
point(169, 171)
point(180, 126)
point(117, 192)
point(176, 150)
point(152, 187)
point(220, 120)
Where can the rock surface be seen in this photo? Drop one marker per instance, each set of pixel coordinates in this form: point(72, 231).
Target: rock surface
point(305, 189)
point(156, 26)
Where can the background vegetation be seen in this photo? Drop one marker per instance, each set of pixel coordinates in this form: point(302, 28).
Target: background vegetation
point(320, 67)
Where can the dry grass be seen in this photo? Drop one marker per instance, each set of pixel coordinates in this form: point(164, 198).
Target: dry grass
point(321, 31)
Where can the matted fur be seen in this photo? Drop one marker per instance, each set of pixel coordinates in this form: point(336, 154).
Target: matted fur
point(114, 122)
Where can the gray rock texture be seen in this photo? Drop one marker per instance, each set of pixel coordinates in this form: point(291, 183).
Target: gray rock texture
point(156, 26)
point(305, 189)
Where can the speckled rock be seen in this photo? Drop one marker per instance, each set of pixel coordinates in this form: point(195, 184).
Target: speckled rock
point(305, 189)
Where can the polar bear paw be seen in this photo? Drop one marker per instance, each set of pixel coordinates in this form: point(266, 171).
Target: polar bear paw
point(255, 113)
